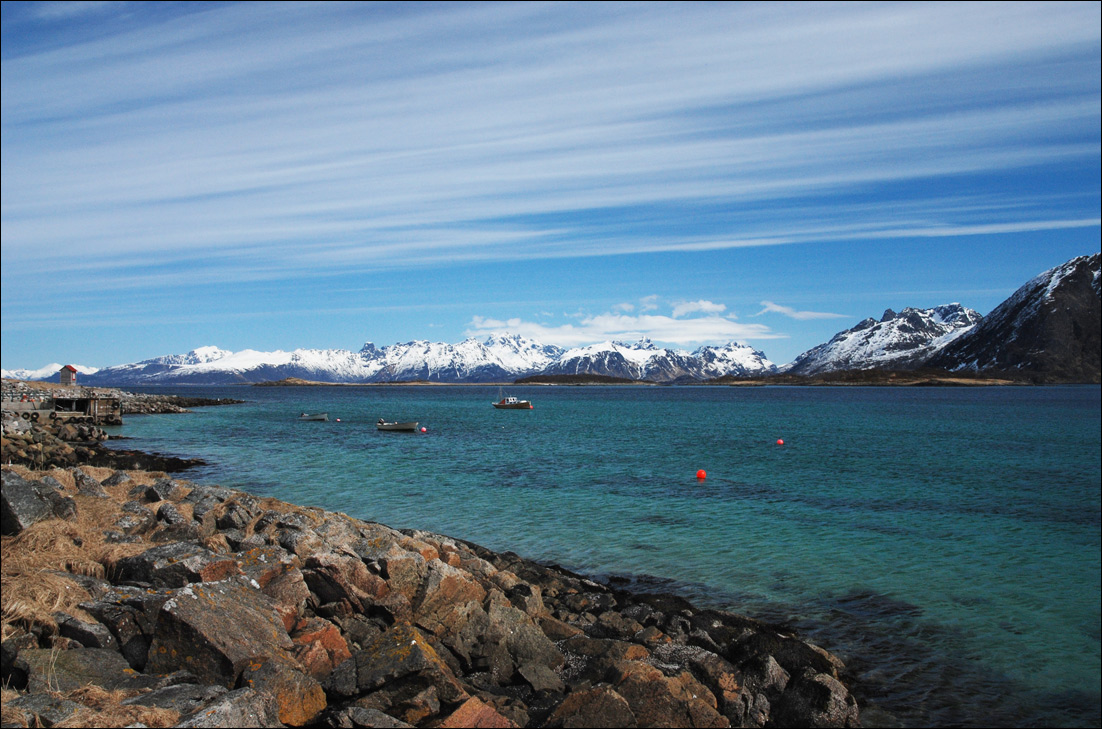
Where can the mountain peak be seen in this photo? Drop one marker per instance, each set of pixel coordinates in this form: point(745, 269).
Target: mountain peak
point(898, 341)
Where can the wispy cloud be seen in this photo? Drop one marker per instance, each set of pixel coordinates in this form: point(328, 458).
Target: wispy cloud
point(146, 147)
point(369, 136)
point(620, 327)
point(788, 311)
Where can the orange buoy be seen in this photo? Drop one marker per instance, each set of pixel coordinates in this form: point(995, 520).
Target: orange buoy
point(702, 474)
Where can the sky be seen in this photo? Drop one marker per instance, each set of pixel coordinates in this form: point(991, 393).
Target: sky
point(281, 176)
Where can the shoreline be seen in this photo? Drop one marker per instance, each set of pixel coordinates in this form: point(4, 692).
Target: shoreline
point(506, 639)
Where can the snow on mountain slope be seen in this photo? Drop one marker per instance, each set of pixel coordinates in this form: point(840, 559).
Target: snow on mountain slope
point(500, 357)
point(732, 358)
point(1049, 326)
point(642, 360)
point(898, 341)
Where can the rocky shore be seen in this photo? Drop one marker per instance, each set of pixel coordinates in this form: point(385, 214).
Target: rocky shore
point(131, 598)
point(65, 445)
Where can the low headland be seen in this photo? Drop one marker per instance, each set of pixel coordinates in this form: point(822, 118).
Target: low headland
point(867, 378)
point(134, 597)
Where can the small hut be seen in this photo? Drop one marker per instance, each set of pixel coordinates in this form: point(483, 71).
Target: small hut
point(68, 375)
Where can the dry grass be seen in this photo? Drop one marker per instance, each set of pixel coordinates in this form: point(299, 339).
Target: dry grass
point(105, 709)
point(102, 708)
point(32, 573)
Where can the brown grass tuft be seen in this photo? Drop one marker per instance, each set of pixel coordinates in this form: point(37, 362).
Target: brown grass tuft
point(32, 579)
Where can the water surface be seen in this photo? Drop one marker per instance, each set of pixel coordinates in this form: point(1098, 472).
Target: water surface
point(945, 542)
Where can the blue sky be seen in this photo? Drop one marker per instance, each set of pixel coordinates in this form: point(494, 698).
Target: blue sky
point(257, 176)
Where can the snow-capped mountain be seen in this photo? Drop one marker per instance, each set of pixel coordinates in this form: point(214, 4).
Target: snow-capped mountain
point(44, 373)
point(642, 360)
point(898, 341)
point(497, 358)
point(1050, 326)
point(500, 357)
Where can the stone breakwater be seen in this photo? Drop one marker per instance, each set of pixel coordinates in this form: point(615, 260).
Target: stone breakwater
point(64, 445)
point(131, 598)
point(132, 403)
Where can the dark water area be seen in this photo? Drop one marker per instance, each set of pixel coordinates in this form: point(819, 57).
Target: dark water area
point(944, 542)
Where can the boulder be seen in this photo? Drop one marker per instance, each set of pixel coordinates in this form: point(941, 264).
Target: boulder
point(68, 670)
point(300, 697)
point(244, 707)
point(174, 565)
point(341, 578)
point(658, 700)
point(815, 700)
point(288, 592)
point(183, 698)
point(400, 658)
point(131, 616)
point(444, 588)
point(115, 479)
point(476, 713)
point(135, 519)
point(521, 637)
point(215, 630)
point(350, 717)
point(10, 674)
point(319, 647)
point(599, 706)
point(43, 709)
point(21, 504)
point(87, 485)
point(89, 635)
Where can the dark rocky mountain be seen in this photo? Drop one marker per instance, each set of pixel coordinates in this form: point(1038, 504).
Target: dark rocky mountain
point(1050, 327)
point(1047, 331)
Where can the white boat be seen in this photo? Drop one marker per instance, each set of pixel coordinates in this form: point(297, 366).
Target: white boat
point(512, 403)
point(405, 427)
point(315, 417)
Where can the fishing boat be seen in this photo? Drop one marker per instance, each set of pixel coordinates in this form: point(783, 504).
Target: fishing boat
point(405, 427)
point(512, 403)
point(315, 417)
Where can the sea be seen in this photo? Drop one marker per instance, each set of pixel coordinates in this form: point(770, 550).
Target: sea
point(943, 541)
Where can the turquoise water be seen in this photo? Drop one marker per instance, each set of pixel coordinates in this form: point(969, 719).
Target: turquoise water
point(945, 542)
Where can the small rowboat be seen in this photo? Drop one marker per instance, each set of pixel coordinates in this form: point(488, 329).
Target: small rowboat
point(315, 417)
point(404, 427)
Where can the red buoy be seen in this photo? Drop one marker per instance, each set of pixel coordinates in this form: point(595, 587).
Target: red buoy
point(702, 474)
point(780, 441)
point(424, 430)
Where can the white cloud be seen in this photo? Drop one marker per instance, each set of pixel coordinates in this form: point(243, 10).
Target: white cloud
point(616, 325)
point(794, 314)
point(689, 307)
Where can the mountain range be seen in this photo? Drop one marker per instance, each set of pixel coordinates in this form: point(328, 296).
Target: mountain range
point(1048, 329)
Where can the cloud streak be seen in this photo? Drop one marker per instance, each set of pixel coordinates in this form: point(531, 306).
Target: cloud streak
point(364, 135)
point(147, 147)
point(770, 307)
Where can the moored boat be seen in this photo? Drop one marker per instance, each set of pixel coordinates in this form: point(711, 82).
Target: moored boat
point(512, 403)
point(405, 427)
point(315, 417)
